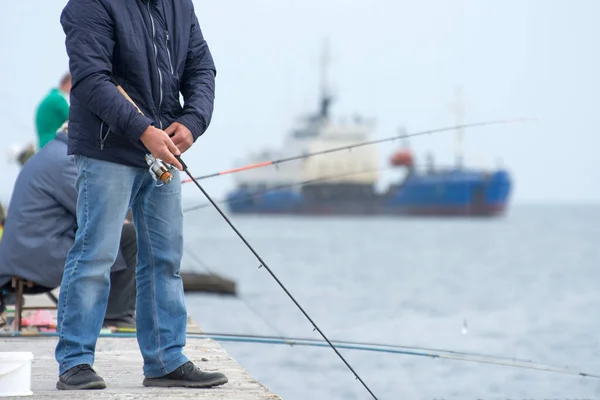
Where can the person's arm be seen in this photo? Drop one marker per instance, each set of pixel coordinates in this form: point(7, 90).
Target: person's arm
point(88, 27)
point(198, 83)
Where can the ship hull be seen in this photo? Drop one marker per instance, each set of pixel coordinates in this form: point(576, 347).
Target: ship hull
point(446, 194)
point(358, 210)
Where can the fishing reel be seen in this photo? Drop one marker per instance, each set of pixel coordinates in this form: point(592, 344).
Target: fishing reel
point(161, 172)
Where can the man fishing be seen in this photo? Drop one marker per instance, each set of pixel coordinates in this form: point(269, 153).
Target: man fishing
point(155, 50)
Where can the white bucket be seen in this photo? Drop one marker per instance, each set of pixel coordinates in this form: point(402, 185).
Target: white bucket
point(15, 374)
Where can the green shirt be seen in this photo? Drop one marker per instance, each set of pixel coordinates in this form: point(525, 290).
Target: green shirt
point(52, 112)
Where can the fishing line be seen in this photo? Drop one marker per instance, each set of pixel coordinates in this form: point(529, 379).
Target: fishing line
point(263, 319)
point(353, 146)
point(264, 264)
point(390, 349)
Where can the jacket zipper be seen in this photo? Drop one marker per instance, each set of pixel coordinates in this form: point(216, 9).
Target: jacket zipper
point(103, 138)
point(160, 79)
point(169, 53)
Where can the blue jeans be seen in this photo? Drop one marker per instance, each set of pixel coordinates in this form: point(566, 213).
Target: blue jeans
point(106, 191)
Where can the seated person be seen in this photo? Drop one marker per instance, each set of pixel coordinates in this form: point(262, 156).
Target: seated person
point(40, 229)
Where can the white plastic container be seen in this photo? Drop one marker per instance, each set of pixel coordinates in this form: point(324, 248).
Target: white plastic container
point(15, 374)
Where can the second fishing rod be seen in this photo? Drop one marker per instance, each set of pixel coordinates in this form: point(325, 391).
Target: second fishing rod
point(304, 156)
point(163, 175)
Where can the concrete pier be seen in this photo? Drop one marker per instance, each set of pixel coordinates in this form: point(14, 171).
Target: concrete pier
point(119, 362)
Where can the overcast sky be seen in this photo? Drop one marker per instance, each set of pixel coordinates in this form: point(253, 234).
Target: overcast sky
point(392, 60)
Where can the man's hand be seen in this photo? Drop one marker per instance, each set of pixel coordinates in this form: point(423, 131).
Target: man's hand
point(161, 146)
point(182, 136)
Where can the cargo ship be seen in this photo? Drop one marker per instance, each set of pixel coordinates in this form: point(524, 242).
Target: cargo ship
point(345, 182)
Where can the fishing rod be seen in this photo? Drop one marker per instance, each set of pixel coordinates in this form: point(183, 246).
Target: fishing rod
point(353, 146)
point(381, 348)
point(292, 341)
point(264, 264)
point(165, 166)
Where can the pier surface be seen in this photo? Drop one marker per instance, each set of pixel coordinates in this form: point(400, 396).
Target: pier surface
point(119, 362)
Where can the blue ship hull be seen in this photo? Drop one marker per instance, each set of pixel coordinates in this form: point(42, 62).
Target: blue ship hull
point(441, 193)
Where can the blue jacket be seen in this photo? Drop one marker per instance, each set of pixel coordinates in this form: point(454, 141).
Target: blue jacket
point(155, 50)
point(40, 221)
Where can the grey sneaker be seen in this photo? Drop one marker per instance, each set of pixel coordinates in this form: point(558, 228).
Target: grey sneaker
point(80, 377)
point(189, 376)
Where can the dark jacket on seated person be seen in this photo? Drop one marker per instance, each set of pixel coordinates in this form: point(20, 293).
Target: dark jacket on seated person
point(41, 222)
